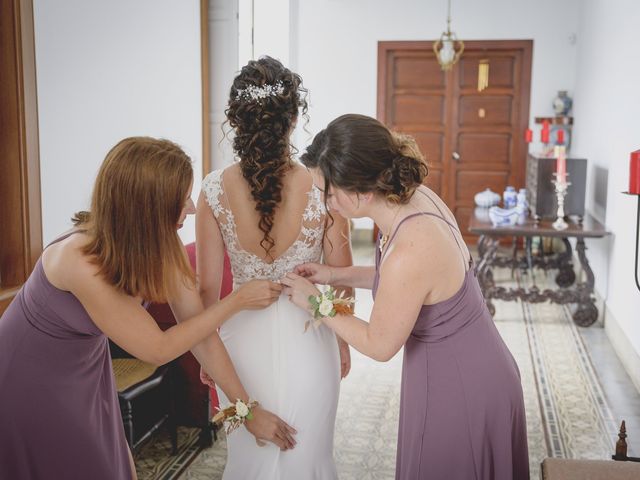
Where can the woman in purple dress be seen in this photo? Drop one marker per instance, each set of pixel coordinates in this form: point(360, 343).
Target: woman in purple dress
point(461, 410)
point(59, 413)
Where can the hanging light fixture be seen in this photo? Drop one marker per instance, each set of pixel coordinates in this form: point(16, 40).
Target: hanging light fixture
point(448, 48)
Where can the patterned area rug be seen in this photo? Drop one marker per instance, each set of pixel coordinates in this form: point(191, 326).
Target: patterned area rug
point(567, 414)
point(155, 462)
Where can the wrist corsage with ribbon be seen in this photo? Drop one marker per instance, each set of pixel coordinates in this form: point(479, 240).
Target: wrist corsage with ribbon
point(328, 304)
point(235, 415)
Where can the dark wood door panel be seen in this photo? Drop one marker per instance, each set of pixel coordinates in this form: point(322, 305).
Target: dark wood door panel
point(483, 148)
point(417, 72)
point(418, 110)
point(434, 180)
point(485, 110)
point(470, 182)
point(472, 139)
point(430, 144)
point(501, 71)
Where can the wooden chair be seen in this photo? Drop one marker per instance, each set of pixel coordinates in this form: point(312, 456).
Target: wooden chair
point(146, 396)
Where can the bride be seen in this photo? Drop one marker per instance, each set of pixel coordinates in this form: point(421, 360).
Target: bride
point(266, 213)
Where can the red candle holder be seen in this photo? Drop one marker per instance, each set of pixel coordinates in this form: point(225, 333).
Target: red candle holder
point(634, 189)
point(528, 135)
point(634, 173)
point(637, 236)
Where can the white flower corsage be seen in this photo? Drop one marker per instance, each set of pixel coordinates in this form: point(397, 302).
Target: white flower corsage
point(235, 415)
point(328, 304)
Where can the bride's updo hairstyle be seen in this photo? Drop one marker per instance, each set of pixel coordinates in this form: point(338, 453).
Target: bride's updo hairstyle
point(264, 102)
point(359, 154)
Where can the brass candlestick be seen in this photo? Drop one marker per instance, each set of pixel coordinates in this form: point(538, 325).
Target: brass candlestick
point(561, 191)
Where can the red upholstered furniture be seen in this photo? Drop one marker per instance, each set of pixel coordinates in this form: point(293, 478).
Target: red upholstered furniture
point(195, 402)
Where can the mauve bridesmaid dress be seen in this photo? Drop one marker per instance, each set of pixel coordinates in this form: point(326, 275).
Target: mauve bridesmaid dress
point(461, 407)
point(59, 413)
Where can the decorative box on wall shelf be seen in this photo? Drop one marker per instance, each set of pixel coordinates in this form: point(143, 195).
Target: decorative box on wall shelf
point(559, 120)
point(542, 197)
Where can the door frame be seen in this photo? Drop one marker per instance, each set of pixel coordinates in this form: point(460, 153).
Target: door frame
point(206, 88)
point(21, 211)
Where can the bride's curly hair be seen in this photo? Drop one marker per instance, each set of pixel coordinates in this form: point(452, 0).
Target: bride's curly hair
point(262, 125)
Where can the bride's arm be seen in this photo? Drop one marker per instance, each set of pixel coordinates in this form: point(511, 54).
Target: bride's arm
point(209, 253)
point(337, 253)
point(337, 250)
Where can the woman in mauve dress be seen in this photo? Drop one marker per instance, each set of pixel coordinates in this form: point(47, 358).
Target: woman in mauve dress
point(461, 409)
point(59, 413)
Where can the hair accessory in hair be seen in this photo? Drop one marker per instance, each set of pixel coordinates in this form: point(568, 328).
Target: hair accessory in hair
point(253, 92)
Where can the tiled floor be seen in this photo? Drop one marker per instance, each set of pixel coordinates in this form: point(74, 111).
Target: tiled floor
point(622, 395)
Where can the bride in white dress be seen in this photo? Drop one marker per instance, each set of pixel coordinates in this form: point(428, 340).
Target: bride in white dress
point(266, 213)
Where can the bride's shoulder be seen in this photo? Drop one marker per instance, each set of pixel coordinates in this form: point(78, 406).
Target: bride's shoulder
point(300, 175)
point(214, 178)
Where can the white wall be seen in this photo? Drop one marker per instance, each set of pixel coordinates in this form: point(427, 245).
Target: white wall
point(337, 44)
point(607, 100)
point(224, 48)
point(105, 71)
point(334, 46)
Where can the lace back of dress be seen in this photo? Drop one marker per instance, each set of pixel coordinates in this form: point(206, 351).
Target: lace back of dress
point(246, 265)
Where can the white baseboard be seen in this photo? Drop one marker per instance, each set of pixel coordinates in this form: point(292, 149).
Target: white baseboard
point(621, 344)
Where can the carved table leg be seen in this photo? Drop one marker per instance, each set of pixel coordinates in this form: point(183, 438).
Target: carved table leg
point(528, 246)
point(485, 275)
point(566, 275)
point(587, 312)
point(482, 241)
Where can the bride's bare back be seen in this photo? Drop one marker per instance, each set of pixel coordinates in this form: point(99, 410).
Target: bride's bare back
point(287, 222)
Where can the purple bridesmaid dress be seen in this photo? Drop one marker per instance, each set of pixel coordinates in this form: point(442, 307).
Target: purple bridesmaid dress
point(461, 407)
point(59, 413)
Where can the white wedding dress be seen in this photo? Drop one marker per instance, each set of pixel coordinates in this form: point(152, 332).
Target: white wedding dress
point(292, 373)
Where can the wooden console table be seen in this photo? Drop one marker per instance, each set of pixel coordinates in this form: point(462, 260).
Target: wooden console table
point(567, 291)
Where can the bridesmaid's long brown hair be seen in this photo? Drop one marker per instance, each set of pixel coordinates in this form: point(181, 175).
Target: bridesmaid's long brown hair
point(138, 196)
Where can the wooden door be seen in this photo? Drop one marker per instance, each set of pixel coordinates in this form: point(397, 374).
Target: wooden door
point(472, 139)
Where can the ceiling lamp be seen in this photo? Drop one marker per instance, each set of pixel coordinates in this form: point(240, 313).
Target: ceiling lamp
point(448, 48)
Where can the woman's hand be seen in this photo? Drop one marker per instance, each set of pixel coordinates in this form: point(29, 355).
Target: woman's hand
point(257, 294)
point(298, 289)
point(345, 357)
point(266, 426)
point(315, 272)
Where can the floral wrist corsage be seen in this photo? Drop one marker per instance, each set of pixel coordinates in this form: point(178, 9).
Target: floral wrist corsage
point(328, 304)
point(235, 415)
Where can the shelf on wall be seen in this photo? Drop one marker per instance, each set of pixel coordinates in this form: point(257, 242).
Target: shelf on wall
point(560, 120)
